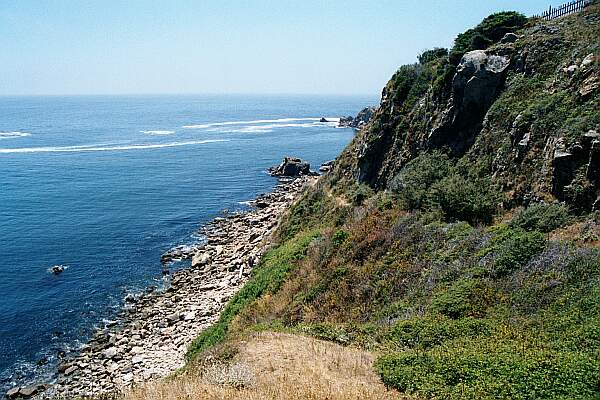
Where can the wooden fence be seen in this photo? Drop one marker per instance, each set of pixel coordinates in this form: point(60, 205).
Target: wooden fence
point(565, 9)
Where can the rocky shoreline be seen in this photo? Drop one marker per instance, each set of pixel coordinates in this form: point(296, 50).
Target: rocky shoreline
point(150, 338)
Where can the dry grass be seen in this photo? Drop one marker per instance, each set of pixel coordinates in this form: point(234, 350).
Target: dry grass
point(278, 366)
point(584, 234)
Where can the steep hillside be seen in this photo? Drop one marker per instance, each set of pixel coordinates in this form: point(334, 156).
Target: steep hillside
point(457, 238)
point(523, 111)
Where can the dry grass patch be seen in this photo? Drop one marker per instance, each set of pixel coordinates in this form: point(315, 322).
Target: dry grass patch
point(278, 366)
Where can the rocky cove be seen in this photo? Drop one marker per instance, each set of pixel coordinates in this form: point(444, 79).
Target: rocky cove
point(152, 333)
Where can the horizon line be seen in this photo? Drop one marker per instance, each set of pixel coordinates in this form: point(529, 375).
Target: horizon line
point(187, 94)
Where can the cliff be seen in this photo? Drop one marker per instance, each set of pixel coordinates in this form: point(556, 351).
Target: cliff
point(456, 239)
point(522, 110)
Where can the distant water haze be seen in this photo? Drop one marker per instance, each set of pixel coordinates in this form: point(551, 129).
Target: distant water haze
point(103, 185)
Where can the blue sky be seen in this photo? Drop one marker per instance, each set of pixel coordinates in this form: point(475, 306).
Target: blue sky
point(222, 46)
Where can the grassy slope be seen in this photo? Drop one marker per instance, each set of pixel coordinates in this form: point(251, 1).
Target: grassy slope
point(457, 299)
point(270, 366)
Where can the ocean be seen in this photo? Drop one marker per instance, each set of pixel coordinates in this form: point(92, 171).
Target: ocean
point(103, 185)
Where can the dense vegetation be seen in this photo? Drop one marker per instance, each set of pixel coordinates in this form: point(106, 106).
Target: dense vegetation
point(488, 32)
point(464, 286)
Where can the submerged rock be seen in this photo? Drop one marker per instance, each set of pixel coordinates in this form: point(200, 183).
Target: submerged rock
point(57, 269)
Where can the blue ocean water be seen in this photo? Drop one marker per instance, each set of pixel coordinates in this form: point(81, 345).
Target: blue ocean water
point(104, 185)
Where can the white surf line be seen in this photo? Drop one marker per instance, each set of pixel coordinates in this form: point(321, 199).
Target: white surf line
point(76, 149)
point(12, 135)
point(165, 132)
point(258, 121)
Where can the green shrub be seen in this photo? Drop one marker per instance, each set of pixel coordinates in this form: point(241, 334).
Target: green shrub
point(359, 193)
point(465, 200)
point(426, 332)
point(339, 237)
point(515, 248)
point(325, 331)
point(465, 297)
point(414, 181)
point(542, 217)
point(492, 373)
point(432, 55)
point(489, 31)
point(432, 181)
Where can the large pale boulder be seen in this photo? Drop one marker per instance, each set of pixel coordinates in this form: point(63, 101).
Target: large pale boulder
point(478, 80)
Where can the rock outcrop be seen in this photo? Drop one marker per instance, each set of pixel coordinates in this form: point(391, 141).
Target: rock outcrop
point(361, 119)
point(326, 166)
point(291, 167)
point(523, 111)
point(478, 80)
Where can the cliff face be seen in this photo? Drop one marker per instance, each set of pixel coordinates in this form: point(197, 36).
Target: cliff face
point(525, 110)
point(436, 240)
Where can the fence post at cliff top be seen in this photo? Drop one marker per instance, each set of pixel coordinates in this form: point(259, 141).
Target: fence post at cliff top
point(565, 9)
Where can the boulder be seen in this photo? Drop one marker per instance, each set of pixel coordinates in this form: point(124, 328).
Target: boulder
point(291, 166)
point(478, 80)
point(200, 259)
point(326, 166)
point(70, 370)
point(509, 38)
point(588, 60)
point(593, 167)
point(111, 352)
point(28, 391)
point(13, 393)
point(346, 121)
point(589, 85)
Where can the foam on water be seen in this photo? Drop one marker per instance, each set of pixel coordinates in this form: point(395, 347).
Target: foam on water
point(258, 121)
point(77, 149)
point(160, 133)
point(12, 135)
point(265, 126)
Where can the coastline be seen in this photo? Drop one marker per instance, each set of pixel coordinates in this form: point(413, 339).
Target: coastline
point(153, 331)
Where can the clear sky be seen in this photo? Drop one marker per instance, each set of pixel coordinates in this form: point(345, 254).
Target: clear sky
point(224, 46)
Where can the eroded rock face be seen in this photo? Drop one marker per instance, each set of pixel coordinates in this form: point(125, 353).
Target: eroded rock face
point(361, 119)
point(576, 171)
point(478, 81)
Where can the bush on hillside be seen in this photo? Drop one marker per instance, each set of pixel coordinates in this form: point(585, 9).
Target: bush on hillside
point(413, 182)
point(489, 31)
point(461, 199)
point(432, 182)
point(465, 297)
point(542, 217)
point(432, 55)
point(516, 248)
